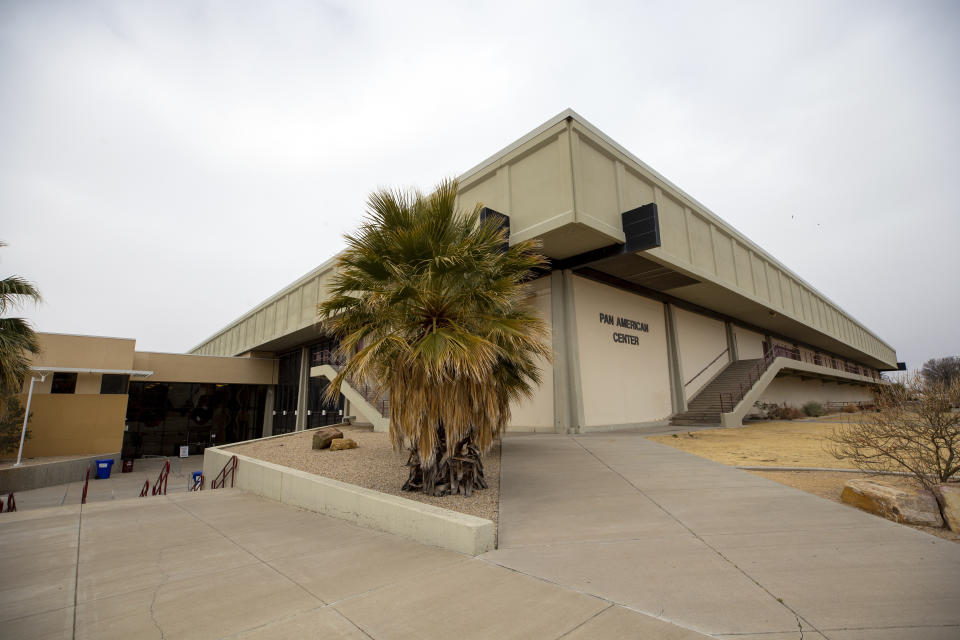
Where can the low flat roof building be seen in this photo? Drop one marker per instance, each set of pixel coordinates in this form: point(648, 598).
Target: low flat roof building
point(659, 309)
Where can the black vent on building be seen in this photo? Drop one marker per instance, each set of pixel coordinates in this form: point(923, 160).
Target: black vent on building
point(641, 226)
point(503, 219)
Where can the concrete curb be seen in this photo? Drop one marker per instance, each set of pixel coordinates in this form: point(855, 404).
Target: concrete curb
point(37, 476)
point(368, 508)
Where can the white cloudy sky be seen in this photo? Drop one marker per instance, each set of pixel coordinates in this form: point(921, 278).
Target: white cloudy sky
point(164, 166)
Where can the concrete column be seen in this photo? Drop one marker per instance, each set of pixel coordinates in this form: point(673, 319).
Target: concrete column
point(732, 354)
point(567, 388)
point(678, 396)
point(304, 389)
point(268, 411)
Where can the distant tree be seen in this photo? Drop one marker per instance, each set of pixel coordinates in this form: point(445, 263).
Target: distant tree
point(17, 338)
point(11, 423)
point(941, 369)
point(914, 430)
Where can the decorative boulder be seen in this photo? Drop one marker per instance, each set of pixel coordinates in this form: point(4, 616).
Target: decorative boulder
point(323, 437)
point(342, 443)
point(899, 505)
point(950, 496)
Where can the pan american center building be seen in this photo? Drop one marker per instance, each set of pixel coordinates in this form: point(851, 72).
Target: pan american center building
point(660, 313)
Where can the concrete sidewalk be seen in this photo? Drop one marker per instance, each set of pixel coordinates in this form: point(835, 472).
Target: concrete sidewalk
point(716, 549)
point(219, 564)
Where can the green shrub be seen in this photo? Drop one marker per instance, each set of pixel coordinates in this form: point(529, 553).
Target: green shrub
point(814, 409)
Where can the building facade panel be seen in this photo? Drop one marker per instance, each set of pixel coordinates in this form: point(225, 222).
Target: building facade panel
point(537, 413)
point(701, 340)
point(623, 370)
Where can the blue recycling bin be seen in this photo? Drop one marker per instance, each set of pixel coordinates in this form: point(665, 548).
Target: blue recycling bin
point(103, 468)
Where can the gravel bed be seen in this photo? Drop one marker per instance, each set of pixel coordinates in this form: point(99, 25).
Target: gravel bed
point(374, 465)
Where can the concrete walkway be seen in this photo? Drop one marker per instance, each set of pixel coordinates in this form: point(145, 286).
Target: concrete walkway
point(225, 564)
point(716, 549)
point(119, 486)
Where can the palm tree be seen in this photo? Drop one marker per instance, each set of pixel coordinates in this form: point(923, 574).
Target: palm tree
point(17, 337)
point(429, 304)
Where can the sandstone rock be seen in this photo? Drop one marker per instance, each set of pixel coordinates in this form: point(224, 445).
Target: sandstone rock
point(899, 505)
point(950, 494)
point(342, 443)
point(323, 437)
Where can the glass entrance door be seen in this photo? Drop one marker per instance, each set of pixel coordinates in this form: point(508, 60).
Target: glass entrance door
point(288, 387)
point(321, 411)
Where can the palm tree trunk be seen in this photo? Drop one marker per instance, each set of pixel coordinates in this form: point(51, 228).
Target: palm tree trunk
point(461, 473)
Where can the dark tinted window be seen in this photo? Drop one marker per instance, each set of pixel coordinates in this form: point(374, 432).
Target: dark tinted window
point(114, 383)
point(63, 382)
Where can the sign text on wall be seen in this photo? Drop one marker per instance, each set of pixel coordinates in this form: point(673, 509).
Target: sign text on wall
point(625, 323)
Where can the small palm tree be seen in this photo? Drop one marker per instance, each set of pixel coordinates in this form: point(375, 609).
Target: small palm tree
point(429, 304)
point(17, 337)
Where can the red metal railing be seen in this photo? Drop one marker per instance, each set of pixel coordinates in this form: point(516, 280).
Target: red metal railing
point(373, 394)
point(229, 469)
point(146, 489)
point(11, 503)
point(729, 400)
point(160, 486)
point(86, 483)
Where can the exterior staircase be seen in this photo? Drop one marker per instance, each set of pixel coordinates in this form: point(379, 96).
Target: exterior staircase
point(714, 398)
point(371, 401)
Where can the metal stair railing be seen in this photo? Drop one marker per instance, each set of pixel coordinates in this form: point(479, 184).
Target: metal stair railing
point(160, 486)
point(86, 483)
point(11, 503)
point(146, 489)
point(230, 468)
point(371, 393)
point(722, 353)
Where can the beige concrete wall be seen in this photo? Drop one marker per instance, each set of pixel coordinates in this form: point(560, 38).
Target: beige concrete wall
point(536, 414)
point(791, 390)
point(84, 352)
point(291, 309)
point(749, 343)
point(178, 367)
point(701, 340)
point(622, 383)
point(71, 424)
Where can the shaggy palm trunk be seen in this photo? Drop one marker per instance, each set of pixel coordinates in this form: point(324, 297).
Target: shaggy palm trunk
point(460, 473)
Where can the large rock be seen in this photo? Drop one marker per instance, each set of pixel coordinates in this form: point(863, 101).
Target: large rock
point(899, 505)
point(323, 437)
point(342, 443)
point(950, 495)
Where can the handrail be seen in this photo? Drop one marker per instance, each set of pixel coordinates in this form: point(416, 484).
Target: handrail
point(371, 393)
point(161, 484)
point(230, 468)
point(146, 489)
point(780, 351)
point(706, 367)
point(11, 503)
point(86, 483)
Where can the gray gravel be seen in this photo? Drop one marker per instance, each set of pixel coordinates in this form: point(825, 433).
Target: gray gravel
point(374, 465)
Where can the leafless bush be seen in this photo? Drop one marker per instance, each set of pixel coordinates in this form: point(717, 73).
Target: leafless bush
point(914, 429)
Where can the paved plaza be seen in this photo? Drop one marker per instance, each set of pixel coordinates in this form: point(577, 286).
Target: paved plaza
point(601, 536)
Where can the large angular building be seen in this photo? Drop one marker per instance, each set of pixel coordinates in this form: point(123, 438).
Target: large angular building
point(660, 311)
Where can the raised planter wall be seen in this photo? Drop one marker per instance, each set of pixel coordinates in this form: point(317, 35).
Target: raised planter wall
point(368, 508)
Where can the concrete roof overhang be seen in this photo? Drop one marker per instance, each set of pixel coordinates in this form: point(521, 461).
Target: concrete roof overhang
point(568, 185)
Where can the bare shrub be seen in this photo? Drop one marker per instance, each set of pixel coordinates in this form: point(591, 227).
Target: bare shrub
point(849, 408)
point(914, 429)
point(814, 409)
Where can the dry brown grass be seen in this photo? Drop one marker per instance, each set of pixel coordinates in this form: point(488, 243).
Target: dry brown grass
point(764, 444)
point(374, 465)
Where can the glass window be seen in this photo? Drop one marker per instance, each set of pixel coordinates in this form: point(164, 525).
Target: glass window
point(114, 383)
point(63, 382)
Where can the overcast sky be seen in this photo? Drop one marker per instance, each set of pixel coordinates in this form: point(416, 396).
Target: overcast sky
point(165, 166)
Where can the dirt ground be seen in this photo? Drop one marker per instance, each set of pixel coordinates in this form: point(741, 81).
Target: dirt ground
point(374, 465)
point(797, 443)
